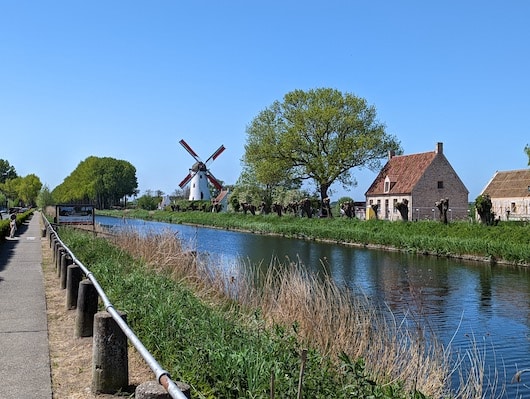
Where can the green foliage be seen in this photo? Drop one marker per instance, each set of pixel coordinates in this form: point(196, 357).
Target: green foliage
point(318, 135)
point(7, 172)
point(101, 181)
point(29, 189)
point(483, 207)
point(527, 150)
point(147, 202)
point(25, 189)
point(4, 223)
point(45, 197)
point(221, 353)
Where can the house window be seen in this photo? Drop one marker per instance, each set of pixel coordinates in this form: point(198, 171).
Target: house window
point(440, 184)
point(387, 186)
point(514, 207)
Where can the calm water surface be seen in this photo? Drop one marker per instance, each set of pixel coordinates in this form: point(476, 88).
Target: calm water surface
point(460, 301)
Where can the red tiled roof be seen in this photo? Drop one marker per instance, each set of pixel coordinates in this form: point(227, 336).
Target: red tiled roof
point(509, 184)
point(404, 171)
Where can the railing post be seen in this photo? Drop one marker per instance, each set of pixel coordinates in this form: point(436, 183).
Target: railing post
point(87, 306)
point(110, 367)
point(61, 253)
point(66, 261)
point(74, 275)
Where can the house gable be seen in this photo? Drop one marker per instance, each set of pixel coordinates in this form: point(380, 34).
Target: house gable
point(402, 172)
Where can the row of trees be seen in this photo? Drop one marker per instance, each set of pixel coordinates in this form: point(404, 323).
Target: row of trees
point(16, 190)
point(104, 182)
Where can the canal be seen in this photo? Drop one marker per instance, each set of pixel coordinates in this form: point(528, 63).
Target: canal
point(466, 304)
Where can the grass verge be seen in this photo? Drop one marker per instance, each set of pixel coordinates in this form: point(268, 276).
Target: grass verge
point(253, 341)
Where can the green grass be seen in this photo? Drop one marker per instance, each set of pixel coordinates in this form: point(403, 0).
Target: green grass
point(507, 242)
point(222, 352)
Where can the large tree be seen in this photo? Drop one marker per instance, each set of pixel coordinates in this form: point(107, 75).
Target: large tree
point(7, 171)
point(527, 150)
point(318, 135)
point(101, 181)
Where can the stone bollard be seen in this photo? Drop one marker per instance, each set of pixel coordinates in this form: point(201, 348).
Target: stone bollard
point(153, 390)
point(74, 275)
point(87, 306)
point(110, 369)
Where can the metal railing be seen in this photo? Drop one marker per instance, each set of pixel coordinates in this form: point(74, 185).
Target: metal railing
point(162, 376)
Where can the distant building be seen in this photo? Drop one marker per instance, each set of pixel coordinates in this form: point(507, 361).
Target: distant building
point(420, 179)
point(220, 203)
point(510, 194)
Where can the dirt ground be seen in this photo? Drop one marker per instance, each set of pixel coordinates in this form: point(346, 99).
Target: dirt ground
point(70, 357)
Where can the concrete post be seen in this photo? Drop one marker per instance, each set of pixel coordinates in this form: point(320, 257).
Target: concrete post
point(59, 253)
point(74, 275)
point(87, 306)
point(110, 369)
point(153, 390)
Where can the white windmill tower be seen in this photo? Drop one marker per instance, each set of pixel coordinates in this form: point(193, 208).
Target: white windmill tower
point(199, 175)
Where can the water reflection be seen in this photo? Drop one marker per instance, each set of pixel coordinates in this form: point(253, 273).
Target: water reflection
point(462, 302)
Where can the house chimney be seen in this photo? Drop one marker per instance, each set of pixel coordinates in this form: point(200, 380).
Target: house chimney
point(391, 154)
point(439, 148)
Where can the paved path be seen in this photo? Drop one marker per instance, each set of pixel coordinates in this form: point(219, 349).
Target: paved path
point(24, 353)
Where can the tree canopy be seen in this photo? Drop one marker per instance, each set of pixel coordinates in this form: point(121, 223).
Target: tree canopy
point(527, 150)
point(100, 181)
point(15, 189)
point(317, 135)
point(6, 171)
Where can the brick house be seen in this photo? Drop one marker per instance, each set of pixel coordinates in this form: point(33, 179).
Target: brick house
point(422, 180)
point(510, 194)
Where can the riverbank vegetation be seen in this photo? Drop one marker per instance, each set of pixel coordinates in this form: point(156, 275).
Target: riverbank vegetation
point(233, 338)
point(506, 242)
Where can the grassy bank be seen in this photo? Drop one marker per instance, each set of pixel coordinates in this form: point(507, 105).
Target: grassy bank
point(251, 344)
point(507, 242)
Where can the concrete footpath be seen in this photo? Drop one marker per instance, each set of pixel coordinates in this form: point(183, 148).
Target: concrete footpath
point(24, 352)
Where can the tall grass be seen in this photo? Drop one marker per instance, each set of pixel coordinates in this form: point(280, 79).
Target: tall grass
point(342, 326)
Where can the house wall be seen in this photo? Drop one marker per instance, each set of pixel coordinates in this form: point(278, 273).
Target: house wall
point(387, 209)
point(518, 207)
point(427, 192)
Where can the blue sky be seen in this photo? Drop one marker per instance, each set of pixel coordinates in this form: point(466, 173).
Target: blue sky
point(129, 79)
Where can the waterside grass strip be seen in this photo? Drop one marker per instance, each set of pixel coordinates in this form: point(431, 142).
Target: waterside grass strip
point(508, 242)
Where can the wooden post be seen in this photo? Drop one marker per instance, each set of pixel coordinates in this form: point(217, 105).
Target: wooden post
point(110, 367)
point(87, 306)
point(74, 275)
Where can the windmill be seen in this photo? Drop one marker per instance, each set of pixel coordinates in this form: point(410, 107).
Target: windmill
point(200, 174)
